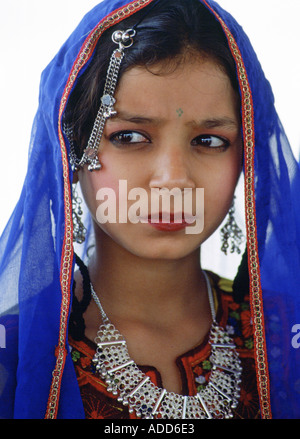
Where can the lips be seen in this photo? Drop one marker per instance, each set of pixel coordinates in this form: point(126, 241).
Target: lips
point(168, 222)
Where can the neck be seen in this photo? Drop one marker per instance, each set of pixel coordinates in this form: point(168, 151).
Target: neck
point(130, 286)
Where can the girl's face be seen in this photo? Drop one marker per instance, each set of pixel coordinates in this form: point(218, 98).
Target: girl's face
point(178, 130)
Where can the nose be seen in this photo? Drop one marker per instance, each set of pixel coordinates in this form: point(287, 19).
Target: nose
point(172, 168)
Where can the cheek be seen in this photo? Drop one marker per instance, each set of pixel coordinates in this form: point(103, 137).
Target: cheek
point(220, 187)
point(92, 182)
point(106, 196)
point(229, 175)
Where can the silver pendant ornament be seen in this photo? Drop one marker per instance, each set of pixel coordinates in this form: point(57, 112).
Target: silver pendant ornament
point(124, 39)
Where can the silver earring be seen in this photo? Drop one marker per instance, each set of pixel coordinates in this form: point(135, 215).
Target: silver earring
point(79, 231)
point(231, 235)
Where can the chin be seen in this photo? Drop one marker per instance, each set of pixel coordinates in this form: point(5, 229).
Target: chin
point(164, 252)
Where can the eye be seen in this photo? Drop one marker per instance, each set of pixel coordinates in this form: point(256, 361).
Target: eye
point(128, 138)
point(211, 142)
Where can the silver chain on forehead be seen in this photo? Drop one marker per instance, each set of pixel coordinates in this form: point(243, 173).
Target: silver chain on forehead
point(90, 155)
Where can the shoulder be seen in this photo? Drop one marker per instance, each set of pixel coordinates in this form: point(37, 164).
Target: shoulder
point(224, 288)
point(236, 316)
point(222, 284)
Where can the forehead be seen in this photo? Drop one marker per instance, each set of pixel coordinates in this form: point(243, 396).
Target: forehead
point(199, 85)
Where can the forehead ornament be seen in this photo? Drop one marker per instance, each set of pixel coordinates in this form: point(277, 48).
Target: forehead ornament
point(124, 39)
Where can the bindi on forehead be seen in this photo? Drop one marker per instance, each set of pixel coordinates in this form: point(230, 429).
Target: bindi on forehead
point(179, 112)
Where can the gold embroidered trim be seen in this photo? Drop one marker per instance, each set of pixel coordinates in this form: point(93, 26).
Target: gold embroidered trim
point(67, 254)
point(253, 257)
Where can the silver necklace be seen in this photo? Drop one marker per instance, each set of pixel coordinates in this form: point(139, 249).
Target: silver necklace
point(135, 389)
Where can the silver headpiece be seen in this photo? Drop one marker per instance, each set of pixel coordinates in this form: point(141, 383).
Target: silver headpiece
point(90, 155)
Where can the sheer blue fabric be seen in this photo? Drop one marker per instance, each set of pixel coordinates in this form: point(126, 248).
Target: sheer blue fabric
point(33, 244)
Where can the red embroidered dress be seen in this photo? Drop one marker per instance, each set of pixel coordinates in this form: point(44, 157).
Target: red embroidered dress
point(194, 365)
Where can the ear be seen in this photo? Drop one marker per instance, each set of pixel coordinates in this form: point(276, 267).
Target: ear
point(75, 177)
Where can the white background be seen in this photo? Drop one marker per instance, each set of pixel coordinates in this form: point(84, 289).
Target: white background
point(32, 31)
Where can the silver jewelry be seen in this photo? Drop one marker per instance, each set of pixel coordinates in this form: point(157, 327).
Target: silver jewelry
point(90, 155)
point(79, 231)
point(231, 234)
point(135, 389)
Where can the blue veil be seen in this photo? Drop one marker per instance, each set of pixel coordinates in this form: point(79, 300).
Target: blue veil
point(37, 379)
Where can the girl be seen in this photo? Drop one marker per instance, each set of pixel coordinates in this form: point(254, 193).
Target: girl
point(149, 102)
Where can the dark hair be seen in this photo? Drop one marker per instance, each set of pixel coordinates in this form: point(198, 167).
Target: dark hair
point(170, 31)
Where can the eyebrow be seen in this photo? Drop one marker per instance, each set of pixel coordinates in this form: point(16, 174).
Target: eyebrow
point(219, 122)
point(127, 117)
point(209, 123)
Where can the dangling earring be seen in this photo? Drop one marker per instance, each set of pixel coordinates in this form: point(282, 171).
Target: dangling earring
point(231, 232)
point(79, 230)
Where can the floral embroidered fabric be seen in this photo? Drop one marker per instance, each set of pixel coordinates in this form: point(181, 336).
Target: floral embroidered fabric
point(194, 366)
